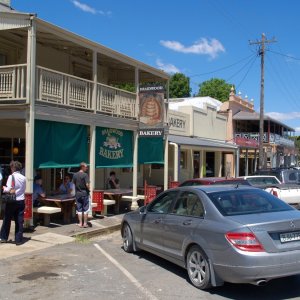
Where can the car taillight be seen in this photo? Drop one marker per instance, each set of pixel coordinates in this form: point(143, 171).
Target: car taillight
point(274, 193)
point(244, 241)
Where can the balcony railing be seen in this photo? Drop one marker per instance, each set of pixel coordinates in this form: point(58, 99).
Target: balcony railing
point(271, 138)
point(12, 82)
point(62, 89)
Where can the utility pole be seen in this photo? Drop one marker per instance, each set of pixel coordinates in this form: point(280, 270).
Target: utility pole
point(261, 52)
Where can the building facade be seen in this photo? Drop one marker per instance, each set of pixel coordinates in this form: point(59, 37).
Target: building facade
point(243, 129)
point(60, 104)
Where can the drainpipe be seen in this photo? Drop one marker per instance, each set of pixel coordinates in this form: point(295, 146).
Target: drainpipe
point(237, 162)
point(176, 159)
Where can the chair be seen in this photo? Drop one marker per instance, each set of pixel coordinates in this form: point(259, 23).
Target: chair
point(150, 193)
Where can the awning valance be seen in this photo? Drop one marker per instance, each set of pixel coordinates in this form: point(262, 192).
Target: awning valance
point(151, 150)
point(114, 148)
point(59, 145)
point(202, 143)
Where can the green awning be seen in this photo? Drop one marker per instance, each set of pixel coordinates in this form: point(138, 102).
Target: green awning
point(150, 150)
point(59, 145)
point(114, 148)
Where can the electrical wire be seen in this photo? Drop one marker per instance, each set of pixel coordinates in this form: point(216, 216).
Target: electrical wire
point(285, 90)
point(223, 68)
point(285, 55)
point(250, 61)
point(245, 76)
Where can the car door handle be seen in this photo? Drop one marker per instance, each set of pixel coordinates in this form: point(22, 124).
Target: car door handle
point(188, 222)
point(158, 221)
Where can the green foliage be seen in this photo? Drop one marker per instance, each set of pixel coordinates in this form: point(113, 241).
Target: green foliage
point(215, 88)
point(179, 86)
point(125, 86)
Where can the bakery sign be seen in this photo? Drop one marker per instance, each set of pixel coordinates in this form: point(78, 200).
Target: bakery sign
point(178, 123)
point(151, 114)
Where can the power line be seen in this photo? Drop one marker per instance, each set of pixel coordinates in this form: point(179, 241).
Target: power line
point(253, 58)
point(250, 67)
point(223, 68)
point(285, 55)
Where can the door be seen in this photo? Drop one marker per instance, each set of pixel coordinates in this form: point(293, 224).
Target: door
point(152, 222)
point(180, 224)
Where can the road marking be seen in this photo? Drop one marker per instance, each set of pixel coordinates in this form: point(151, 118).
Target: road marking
point(133, 280)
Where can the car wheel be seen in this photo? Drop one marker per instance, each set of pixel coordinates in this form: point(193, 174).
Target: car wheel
point(127, 239)
point(198, 268)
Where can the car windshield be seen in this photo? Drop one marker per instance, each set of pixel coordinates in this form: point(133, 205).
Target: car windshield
point(240, 202)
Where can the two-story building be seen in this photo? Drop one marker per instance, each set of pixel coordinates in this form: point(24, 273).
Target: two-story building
point(59, 104)
point(243, 129)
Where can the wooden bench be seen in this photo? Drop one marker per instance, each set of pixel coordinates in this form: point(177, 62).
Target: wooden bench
point(106, 202)
point(46, 211)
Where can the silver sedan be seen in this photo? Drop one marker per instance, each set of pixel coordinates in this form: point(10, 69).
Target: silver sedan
point(237, 234)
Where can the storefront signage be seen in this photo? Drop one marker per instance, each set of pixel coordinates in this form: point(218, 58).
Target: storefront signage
point(151, 107)
point(178, 123)
point(113, 147)
point(246, 143)
point(151, 132)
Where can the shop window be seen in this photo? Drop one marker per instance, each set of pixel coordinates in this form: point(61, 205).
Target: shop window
point(183, 160)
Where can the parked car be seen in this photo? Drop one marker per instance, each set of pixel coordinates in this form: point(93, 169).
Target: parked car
point(289, 193)
point(213, 180)
point(284, 175)
point(218, 233)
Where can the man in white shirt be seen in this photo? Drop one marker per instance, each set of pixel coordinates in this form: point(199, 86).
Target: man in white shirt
point(14, 211)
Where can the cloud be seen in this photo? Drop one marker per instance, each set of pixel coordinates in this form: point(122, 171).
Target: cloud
point(168, 68)
point(210, 47)
point(89, 9)
point(284, 116)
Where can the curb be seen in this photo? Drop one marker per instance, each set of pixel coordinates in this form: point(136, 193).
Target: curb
point(97, 232)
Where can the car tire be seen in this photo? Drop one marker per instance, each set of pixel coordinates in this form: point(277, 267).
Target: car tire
point(198, 268)
point(127, 239)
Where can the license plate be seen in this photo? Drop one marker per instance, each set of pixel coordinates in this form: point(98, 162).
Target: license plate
point(289, 237)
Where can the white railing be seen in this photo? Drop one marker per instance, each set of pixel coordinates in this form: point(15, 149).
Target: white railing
point(13, 82)
point(116, 102)
point(60, 88)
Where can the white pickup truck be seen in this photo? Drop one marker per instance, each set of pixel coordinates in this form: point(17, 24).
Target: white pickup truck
point(289, 193)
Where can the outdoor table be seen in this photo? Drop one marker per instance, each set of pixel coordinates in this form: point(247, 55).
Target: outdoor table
point(116, 194)
point(65, 202)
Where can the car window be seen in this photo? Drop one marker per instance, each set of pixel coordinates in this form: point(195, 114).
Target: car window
point(262, 180)
point(238, 202)
point(188, 204)
point(163, 203)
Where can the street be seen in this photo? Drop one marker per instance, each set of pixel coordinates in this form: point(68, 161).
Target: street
point(100, 269)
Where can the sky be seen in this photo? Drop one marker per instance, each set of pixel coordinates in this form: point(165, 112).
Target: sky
point(202, 39)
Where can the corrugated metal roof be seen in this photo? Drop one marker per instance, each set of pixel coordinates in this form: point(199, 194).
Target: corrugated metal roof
point(254, 116)
point(205, 143)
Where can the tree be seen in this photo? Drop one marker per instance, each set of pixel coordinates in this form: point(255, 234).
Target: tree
point(125, 86)
point(179, 86)
point(215, 88)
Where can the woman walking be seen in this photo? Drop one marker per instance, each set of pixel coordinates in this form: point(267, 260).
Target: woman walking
point(14, 210)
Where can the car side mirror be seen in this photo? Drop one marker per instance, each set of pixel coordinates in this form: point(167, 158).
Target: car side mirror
point(143, 210)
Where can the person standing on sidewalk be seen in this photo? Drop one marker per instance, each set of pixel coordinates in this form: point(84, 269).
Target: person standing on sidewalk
point(14, 210)
point(82, 190)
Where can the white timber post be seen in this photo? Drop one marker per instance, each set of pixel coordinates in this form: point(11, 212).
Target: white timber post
point(135, 137)
point(30, 100)
point(93, 132)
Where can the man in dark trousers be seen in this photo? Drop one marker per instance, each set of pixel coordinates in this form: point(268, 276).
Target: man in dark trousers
point(82, 187)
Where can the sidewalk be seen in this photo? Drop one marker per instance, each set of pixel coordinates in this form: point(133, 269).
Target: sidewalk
point(41, 237)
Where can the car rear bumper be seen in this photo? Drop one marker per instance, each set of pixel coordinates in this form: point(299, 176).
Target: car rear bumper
point(266, 266)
